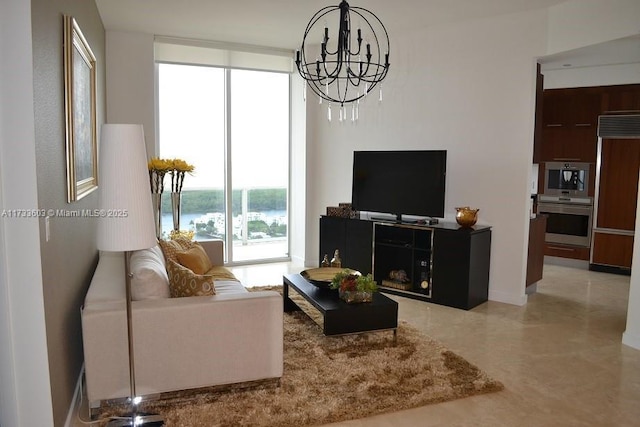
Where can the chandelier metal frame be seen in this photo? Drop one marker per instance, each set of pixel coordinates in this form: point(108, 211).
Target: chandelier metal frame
point(337, 69)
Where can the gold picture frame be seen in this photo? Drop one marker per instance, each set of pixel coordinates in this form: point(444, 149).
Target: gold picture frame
point(80, 112)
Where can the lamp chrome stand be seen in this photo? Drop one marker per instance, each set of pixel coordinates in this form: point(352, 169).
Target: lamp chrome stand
point(134, 418)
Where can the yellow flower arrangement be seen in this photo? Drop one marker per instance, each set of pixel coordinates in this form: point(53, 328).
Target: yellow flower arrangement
point(181, 234)
point(181, 166)
point(159, 167)
point(178, 169)
point(159, 164)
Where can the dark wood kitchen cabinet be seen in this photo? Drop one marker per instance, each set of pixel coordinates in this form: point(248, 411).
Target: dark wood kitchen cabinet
point(569, 124)
point(535, 253)
point(620, 163)
point(575, 107)
point(611, 251)
point(612, 241)
point(577, 144)
point(537, 131)
point(569, 132)
point(567, 121)
point(566, 251)
point(621, 99)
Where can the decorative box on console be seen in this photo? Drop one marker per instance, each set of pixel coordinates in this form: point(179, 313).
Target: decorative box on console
point(343, 210)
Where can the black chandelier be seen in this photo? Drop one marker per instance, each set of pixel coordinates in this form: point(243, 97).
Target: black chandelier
point(345, 70)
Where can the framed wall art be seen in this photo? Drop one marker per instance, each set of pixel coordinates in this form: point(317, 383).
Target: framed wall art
point(80, 112)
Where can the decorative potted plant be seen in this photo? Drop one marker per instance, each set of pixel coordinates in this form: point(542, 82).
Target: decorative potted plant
point(354, 287)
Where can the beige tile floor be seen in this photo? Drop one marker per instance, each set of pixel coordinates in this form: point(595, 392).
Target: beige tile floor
point(560, 357)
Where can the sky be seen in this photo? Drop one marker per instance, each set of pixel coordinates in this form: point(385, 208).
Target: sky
point(192, 125)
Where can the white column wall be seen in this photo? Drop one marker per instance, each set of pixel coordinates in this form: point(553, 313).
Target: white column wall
point(298, 179)
point(25, 390)
point(631, 336)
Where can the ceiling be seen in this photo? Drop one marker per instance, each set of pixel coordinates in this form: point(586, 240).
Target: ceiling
point(281, 23)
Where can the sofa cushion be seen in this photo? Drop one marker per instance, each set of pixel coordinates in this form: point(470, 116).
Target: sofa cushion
point(226, 287)
point(185, 283)
point(219, 272)
point(149, 276)
point(195, 259)
point(170, 248)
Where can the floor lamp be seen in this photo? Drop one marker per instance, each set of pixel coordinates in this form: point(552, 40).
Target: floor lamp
point(125, 224)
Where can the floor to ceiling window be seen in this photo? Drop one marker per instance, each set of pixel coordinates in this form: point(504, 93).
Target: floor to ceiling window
point(233, 126)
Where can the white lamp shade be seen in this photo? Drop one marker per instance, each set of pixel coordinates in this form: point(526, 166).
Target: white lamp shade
point(126, 219)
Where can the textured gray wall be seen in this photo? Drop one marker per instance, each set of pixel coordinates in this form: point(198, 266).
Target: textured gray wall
point(70, 256)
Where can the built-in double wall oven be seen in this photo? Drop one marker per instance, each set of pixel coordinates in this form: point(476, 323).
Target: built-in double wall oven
point(569, 219)
point(566, 203)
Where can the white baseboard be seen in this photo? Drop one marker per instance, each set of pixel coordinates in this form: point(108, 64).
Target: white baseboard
point(507, 298)
point(74, 408)
point(631, 340)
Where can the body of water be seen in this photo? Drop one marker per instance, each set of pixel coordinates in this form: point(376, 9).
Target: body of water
point(187, 218)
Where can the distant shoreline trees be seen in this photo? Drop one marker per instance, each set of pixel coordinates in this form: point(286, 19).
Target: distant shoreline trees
point(205, 201)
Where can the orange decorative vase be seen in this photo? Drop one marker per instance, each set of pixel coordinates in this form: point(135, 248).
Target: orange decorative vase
point(466, 216)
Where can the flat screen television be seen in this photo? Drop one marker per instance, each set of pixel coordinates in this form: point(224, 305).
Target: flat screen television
point(400, 182)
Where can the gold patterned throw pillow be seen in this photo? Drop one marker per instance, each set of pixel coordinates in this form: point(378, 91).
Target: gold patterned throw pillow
point(170, 248)
point(185, 283)
point(195, 259)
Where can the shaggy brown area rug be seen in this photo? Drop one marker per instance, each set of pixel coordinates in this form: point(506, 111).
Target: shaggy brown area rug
point(329, 379)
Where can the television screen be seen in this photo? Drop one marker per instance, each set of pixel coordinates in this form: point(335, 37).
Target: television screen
point(400, 182)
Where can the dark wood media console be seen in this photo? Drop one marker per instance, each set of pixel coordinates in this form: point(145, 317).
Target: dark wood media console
point(452, 260)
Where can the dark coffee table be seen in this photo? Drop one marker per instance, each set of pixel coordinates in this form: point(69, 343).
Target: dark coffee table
point(335, 316)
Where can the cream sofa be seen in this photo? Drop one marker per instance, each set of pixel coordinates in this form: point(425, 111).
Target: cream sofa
point(180, 343)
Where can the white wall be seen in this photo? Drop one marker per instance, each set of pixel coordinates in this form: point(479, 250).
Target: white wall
point(467, 88)
point(25, 391)
point(131, 82)
point(580, 23)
